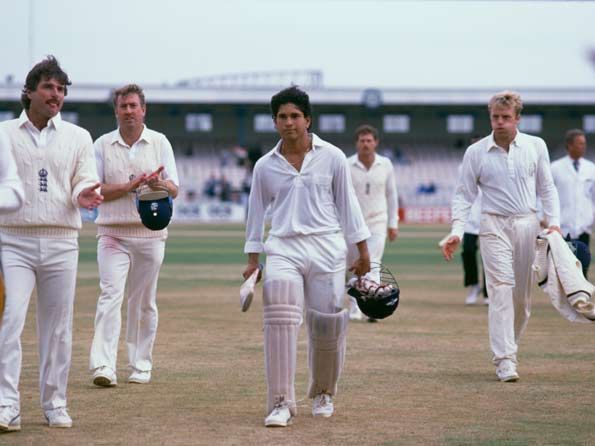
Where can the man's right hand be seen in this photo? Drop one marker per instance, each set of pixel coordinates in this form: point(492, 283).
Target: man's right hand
point(253, 264)
point(449, 246)
point(249, 270)
point(136, 182)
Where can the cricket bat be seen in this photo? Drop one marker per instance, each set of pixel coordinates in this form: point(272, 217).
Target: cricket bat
point(247, 289)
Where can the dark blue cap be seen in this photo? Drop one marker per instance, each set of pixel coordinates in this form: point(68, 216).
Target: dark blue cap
point(155, 213)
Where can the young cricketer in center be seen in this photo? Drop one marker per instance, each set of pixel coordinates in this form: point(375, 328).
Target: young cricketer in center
point(306, 183)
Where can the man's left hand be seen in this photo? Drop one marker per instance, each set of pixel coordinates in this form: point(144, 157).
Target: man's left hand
point(89, 197)
point(554, 228)
point(154, 178)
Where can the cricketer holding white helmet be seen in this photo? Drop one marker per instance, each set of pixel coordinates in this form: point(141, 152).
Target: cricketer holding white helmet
point(512, 169)
point(306, 183)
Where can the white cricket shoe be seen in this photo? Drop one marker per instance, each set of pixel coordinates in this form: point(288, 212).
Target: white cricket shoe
point(506, 371)
point(58, 417)
point(10, 419)
point(104, 377)
point(486, 300)
point(280, 416)
point(140, 377)
point(472, 295)
point(322, 406)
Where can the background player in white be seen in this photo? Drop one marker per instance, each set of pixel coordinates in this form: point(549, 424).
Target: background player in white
point(12, 195)
point(574, 177)
point(512, 169)
point(374, 183)
point(306, 183)
point(38, 243)
point(127, 158)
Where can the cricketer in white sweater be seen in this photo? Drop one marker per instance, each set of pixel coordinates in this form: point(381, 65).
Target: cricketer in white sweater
point(39, 247)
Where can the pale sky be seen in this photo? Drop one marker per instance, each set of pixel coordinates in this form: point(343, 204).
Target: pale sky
point(355, 43)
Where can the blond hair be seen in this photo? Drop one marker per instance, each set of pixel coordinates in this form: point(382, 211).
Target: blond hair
point(507, 98)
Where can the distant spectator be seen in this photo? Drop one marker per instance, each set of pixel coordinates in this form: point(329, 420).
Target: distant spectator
point(211, 185)
point(225, 157)
point(190, 195)
point(428, 189)
point(241, 156)
point(225, 189)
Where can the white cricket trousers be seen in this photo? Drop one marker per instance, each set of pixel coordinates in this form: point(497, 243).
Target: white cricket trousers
point(376, 244)
point(139, 261)
point(317, 262)
point(507, 248)
point(51, 264)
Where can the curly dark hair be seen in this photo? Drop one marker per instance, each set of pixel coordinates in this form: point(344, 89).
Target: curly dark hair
point(48, 68)
point(294, 96)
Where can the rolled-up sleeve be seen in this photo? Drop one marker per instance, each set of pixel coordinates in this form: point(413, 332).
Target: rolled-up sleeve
point(256, 211)
point(546, 190)
point(348, 209)
point(465, 194)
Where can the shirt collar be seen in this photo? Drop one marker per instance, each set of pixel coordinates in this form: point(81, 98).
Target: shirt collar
point(54, 123)
point(144, 136)
point(356, 161)
point(317, 143)
point(571, 160)
point(517, 141)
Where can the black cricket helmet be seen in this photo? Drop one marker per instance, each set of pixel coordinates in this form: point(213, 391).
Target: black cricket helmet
point(376, 300)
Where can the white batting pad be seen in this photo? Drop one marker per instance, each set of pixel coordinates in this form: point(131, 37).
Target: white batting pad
point(283, 303)
point(327, 335)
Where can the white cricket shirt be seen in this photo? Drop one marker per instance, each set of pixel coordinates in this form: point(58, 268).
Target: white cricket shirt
point(42, 137)
point(147, 138)
point(376, 192)
point(510, 181)
point(319, 199)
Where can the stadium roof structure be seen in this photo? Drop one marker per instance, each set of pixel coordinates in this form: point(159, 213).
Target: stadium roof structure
point(371, 97)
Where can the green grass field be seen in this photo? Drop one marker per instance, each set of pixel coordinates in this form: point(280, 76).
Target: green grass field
point(423, 376)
